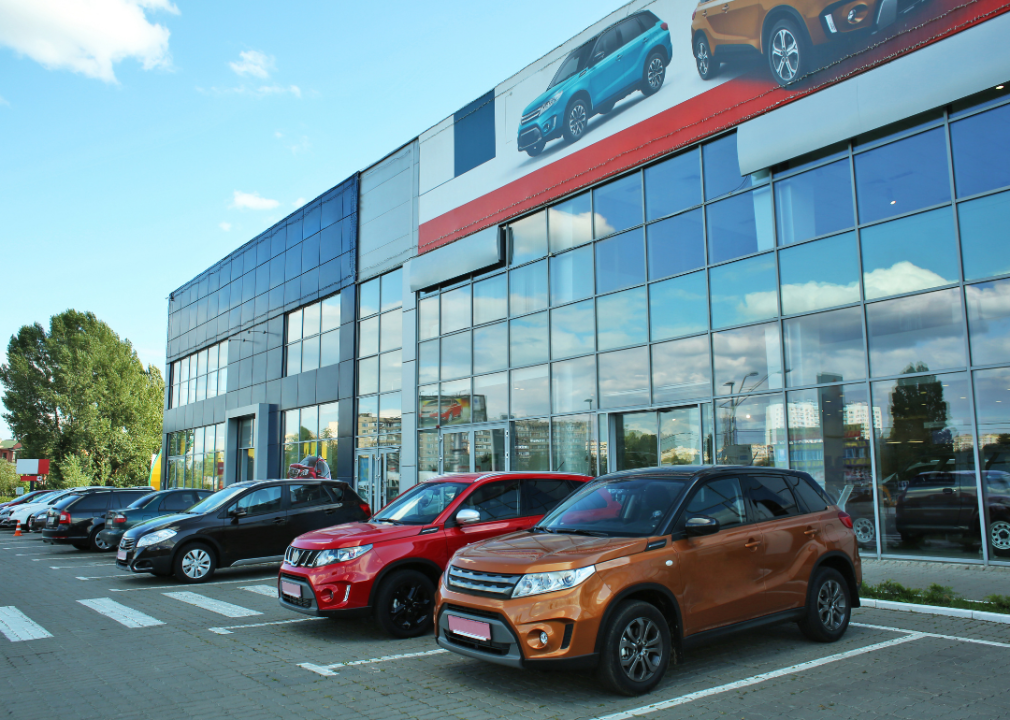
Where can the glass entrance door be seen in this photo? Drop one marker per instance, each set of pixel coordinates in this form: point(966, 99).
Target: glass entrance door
point(377, 475)
point(483, 450)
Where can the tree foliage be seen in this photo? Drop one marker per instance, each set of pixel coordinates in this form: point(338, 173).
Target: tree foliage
point(79, 396)
point(10, 481)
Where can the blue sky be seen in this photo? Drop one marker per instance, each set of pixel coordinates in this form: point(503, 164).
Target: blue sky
point(145, 139)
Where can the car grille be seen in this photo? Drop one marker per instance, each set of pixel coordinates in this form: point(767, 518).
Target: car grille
point(530, 137)
point(126, 543)
point(530, 116)
point(297, 557)
point(483, 583)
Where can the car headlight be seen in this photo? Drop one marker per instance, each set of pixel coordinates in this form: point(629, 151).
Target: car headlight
point(329, 557)
point(539, 583)
point(551, 100)
point(156, 537)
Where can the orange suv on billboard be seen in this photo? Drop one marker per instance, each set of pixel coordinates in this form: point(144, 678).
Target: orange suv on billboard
point(632, 569)
point(784, 31)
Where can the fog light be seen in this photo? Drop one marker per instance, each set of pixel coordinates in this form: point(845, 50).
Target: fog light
point(543, 638)
point(537, 639)
point(327, 595)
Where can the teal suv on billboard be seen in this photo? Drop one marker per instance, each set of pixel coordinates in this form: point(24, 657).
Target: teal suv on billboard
point(627, 56)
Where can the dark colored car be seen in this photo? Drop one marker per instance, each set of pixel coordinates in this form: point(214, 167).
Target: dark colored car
point(148, 507)
point(390, 564)
point(311, 466)
point(79, 518)
point(248, 523)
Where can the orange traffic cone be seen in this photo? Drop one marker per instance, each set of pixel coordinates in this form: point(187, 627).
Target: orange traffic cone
point(17, 530)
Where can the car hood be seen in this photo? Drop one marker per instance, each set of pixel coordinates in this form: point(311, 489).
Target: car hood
point(158, 523)
point(542, 97)
point(525, 552)
point(352, 534)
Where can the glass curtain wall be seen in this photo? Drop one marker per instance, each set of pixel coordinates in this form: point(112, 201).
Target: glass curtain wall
point(380, 360)
point(801, 310)
point(200, 376)
point(310, 432)
point(196, 458)
point(313, 336)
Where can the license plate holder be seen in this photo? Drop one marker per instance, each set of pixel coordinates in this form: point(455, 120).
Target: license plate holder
point(469, 628)
point(291, 589)
point(121, 556)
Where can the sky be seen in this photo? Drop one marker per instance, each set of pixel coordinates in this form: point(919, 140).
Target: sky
point(143, 140)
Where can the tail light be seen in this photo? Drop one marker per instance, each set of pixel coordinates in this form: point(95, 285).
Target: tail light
point(667, 27)
point(64, 518)
point(846, 519)
point(365, 509)
point(120, 518)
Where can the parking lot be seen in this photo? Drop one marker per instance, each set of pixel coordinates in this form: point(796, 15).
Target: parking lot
point(81, 639)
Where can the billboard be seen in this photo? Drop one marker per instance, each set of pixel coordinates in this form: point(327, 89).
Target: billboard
point(652, 77)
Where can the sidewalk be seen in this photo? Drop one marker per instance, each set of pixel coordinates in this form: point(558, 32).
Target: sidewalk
point(972, 582)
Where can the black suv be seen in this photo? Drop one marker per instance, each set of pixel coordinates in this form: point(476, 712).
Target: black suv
point(247, 523)
point(148, 507)
point(78, 519)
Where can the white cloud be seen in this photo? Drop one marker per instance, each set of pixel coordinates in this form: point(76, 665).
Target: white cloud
point(253, 63)
point(86, 37)
point(252, 201)
point(3, 101)
point(814, 295)
point(226, 226)
point(299, 202)
point(902, 277)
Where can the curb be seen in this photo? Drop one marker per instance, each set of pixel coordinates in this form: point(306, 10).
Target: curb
point(935, 610)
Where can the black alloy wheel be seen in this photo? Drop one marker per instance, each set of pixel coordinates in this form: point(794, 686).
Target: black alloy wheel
point(636, 649)
point(828, 607)
point(405, 604)
point(576, 119)
point(96, 543)
point(653, 73)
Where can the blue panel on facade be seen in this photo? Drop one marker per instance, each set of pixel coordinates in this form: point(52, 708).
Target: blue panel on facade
point(473, 133)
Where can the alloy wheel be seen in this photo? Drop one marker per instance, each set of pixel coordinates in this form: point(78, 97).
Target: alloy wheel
point(641, 649)
point(577, 119)
point(655, 72)
point(831, 605)
point(196, 563)
point(701, 55)
point(999, 535)
point(101, 544)
point(865, 532)
point(785, 54)
point(411, 607)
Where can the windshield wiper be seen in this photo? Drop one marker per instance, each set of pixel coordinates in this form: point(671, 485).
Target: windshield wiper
point(577, 531)
point(390, 520)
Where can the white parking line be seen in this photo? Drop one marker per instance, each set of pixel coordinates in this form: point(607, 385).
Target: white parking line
point(120, 613)
point(327, 670)
point(974, 641)
point(215, 606)
point(17, 626)
point(266, 590)
point(167, 587)
point(98, 577)
point(74, 567)
point(227, 630)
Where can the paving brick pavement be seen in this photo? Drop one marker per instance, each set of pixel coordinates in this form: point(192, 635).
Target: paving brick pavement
point(974, 582)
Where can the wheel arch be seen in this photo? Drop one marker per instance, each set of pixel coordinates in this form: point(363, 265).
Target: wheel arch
point(662, 51)
point(580, 95)
point(656, 595)
point(779, 13)
point(427, 567)
point(837, 560)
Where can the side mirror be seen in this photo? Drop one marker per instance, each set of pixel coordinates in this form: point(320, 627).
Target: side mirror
point(701, 525)
point(598, 56)
point(237, 513)
point(467, 516)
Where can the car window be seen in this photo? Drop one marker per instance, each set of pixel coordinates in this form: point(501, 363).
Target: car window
point(721, 499)
point(608, 42)
point(179, 501)
point(259, 502)
point(628, 507)
point(770, 497)
point(540, 496)
point(123, 499)
point(421, 504)
point(812, 500)
point(336, 492)
point(91, 503)
point(307, 495)
point(631, 29)
point(574, 63)
point(495, 500)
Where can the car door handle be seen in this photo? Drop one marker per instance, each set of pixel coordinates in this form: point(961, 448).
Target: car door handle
point(619, 57)
point(752, 543)
point(280, 521)
point(725, 8)
point(810, 531)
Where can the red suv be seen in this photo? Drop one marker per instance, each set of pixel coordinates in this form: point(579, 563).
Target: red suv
point(391, 563)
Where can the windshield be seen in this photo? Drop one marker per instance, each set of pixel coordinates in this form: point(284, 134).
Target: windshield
point(217, 500)
point(629, 507)
point(144, 499)
point(574, 63)
point(421, 504)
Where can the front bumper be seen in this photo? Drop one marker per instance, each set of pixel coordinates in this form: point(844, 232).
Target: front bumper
point(328, 591)
point(150, 559)
point(112, 537)
point(543, 128)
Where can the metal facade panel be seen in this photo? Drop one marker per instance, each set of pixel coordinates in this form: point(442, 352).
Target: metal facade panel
point(388, 213)
point(477, 251)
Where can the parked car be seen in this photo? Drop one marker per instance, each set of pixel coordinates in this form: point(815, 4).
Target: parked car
point(390, 564)
point(633, 568)
point(27, 497)
point(78, 518)
point(247, 523)
point(311, 466)
point(627, 56)
point(148, 507)
point(8, 514)
point(784, 31)
point(26, 513)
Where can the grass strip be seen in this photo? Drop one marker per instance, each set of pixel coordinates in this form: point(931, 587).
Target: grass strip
point(935, 594)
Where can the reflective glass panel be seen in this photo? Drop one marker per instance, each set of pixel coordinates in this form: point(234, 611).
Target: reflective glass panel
point(330, 310)
point(427, 318)
point(427, 361)
point(390, 371)
point(622, 319)
point(926, 466)
point(390, 413)
point(916, 334)
point(740, 225)
point(743, 291)
point(329, 420)
point(490, 299)
point(455, 402)
point(992, 408)
point(329, 348)
point(751, 431)
point(637, 440)
point(489, 343)
point(529, 238)
point(722, 168)
point(392, 290)
point(368, 376)
point(617, 205)
point(531, 392)
point(571, 446)
point(531, 445)
point(678, 306)
point(903, 176)
point(310, 354)
point(570, 223)
point(680, 436)
point(681, 370)
point(427, 406)
point(747, 359)
point(368, 337)
point(427, 456)
point(456, 355)
point(573, 330)
point(820, 274)
point(985, 236)
point(368, 298)
point(491, 397)
point(572, 276)
point(620, 261)
point(913, 253)
point(981, 153)
point(826, 347)
point(310, 320)
point(390, 330)
point(624, 378)
point(368, 415)
point(294, 327)
point(988, 308)
point(529, 341)
point(456, 309)
point(294, 358)
point(673, 185)
point(814, 203)
point(573, 385)
point(528, 288)
point(676, 245)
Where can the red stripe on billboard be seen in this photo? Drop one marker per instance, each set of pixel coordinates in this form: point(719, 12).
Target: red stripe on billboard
point(716, 110)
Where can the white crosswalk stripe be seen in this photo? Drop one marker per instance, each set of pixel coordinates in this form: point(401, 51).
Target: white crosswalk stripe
point(267, 590)
point(120, 613)
point(215, 606)
point(17, 626)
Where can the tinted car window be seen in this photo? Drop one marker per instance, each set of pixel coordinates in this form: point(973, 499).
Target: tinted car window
point(494, 501)
point(421, 504)
point(629, 507)
point(123, 499)
point(307, 495)
point(811, 500)
point(179, 501)
point(721, 499)
point(770, 497)
point(631, 28)
point(610, 41)
point(150, 498)
point(91, 503)
point(336, 493)
point(542, 495)
point(261, 501)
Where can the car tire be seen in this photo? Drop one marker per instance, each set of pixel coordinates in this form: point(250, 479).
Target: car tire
point(636, 649)
point(707, 65)
point(194, 563)
point(653, 73)
point(534, 150)
point(999, 537)
point(95, 542)
point(405, 603)
point(82, 546)
point(788, 51)
point(829, 607)
point(576, 119)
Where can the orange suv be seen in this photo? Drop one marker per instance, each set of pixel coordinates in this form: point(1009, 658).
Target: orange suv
point(635, 567)
point(784, 31)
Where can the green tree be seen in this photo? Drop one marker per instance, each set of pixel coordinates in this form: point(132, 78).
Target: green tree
point(9, 479)
point(79, 391)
